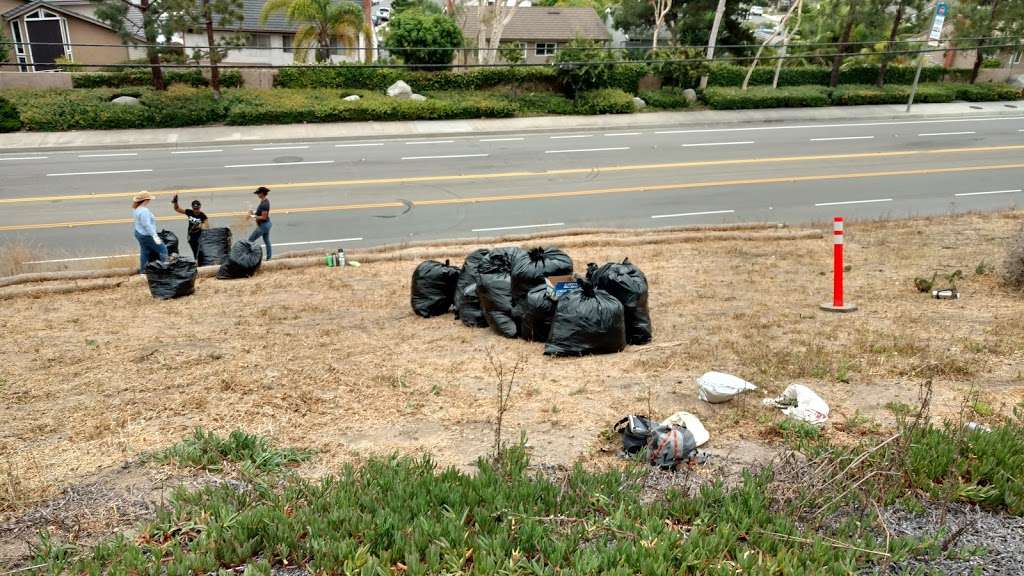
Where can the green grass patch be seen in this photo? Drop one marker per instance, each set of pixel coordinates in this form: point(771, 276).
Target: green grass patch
point(207, 450)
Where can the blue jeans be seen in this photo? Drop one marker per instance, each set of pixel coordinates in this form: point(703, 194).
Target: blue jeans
point(148, 247)
point(262, 229)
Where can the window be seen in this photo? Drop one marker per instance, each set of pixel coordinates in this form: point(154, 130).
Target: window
point(257, 41)
point(286, 43)
point(545, 48)
point(19, 48)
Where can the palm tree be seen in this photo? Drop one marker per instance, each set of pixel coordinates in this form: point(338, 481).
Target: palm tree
point(321, 20)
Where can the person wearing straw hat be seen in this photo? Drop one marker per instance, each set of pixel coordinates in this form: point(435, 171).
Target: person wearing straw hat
point(144, 226)
point(262, 217)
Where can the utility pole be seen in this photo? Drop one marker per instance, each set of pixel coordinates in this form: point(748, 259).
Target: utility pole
point(712, 40)
point(933, 40)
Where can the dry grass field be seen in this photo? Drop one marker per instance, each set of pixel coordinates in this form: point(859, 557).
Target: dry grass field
point(336, 361)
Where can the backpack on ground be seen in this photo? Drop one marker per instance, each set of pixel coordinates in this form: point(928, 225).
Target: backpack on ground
point(670, 446)
point(635, 431)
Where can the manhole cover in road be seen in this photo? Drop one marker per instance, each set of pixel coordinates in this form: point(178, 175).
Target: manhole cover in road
point(287, 159)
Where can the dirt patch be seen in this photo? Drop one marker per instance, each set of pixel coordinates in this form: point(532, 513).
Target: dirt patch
point(336, 360)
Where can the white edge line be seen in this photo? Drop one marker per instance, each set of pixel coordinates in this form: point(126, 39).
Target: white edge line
point(78, 259)
point(716, 144)
point(105, 172)
point(197, 151)
point(552, 225)
point(987, 193)
point(433, 142)
point(570, 136)
point(317, 242)
point(280, 164)
point(624, 134)
point(693, 214)
point(108, 155)
point(856, 125)
point(586, 150)
point(842, 138)
point(946, 133)
point(854, 202)
point(443, 157)
point(282, 148)
point(501, 139)
point(358, 145)
point(26, 158)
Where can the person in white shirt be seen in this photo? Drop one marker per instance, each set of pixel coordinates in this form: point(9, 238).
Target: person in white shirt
point(144, 226)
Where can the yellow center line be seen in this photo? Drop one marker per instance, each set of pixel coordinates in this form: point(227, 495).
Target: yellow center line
point(519, 174)
point(564, 194)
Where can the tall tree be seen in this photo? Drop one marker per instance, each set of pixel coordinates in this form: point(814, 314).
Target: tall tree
point(905, 15)
point(493, 19)
point(205, 15)
point(661, 9)
point(153, 23)
point(368, 32)
point(320, 22)
point(688, 21)
point(980, 24)
point(411, 31)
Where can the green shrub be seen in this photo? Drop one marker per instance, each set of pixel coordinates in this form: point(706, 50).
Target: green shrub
point(991, 63)
point(606, 101)
point(209, 451)
point(935, 93)
point(857, 95)
point(720, 98)
point(10, 120)
point(667, 98)
point(413, 29)
point(677, 67)
point(58, 110)
point(124, 77)
point(355, 76)
point(986, 92)
point(585, 65)
point(732, 75)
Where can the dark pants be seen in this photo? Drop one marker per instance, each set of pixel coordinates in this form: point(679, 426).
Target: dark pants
point(148, 248)
point(262, 230)
point(193, 243)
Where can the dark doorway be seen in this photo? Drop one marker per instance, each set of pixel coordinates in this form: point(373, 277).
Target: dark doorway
point(45, 55)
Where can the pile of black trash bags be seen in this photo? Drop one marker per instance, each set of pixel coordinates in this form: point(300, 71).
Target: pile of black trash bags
point(176, 277)
point(505, 288)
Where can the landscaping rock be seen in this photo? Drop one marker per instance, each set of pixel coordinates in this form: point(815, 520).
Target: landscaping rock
point(352, 98)
point(126, 100)
point(691, 95)
point(418, 97)
point(400, 90)
point(639, 103)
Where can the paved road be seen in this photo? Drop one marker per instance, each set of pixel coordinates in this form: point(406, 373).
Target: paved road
point(357, 193)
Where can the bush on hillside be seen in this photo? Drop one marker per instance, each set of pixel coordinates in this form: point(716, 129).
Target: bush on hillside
point(358, 77)
point(986, 92)
point(10, 120)
point(412, 29)
point(732, 75)
point(124, 77)
point(667, 98)
point(677, 66)
point(606, 101)
point(586, 65)
point(720, 98)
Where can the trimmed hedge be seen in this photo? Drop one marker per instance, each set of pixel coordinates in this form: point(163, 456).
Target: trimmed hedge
point(285, 106)
point(667, 98)
point(986, 92)
point(358, 77)
point(144, 77)
point(606, 101)
point(732, 75)
point(10, 120)
point(720, 98)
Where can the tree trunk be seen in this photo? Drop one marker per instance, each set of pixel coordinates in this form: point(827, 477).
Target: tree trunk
point(837, 60)
point(152, 53)
point(323, 52)
point(368, 32)
point(481, 35)
point(978, 59)
point(212, 50)
point(712, 40)
point(897, 20)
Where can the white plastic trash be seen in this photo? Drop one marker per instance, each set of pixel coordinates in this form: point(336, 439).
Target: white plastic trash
point(691, 423)
point(802, 403)
point(718, 387)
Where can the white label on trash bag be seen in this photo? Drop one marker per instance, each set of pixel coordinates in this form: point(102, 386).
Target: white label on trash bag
point(691, 423)
point(800, 402)
point(717, 387)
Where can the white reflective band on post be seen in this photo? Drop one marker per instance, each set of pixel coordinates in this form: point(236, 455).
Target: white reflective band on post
point(837, 226)
point(837, 239)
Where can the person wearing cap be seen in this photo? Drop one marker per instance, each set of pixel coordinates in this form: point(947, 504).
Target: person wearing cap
point(262, 217)
point(144, 226)
point(197, 222)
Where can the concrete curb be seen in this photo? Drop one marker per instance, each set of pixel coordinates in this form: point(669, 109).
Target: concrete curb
point(692, 119)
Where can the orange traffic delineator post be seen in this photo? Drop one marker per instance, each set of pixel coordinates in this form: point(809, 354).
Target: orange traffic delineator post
point(838, 303)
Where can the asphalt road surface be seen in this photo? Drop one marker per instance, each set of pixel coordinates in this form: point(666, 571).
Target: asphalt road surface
point(76, 204)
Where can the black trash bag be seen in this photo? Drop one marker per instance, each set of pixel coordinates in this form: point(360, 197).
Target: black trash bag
point(470, 311)
point(629, 285)
point(587, 321)
point(214, 246)
point(433, 288)
point(538, 264)
point(494, 287)
point(243, 261)
point(172, 278)
point(535, 314)
point(170, 239)
point(467, 276)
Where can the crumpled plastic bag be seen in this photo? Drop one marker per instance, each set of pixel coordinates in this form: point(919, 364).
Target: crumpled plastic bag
point(802, 403)
point(718, 387)
point(691, 423)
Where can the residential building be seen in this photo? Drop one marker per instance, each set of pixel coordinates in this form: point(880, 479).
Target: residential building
point(540, 31)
